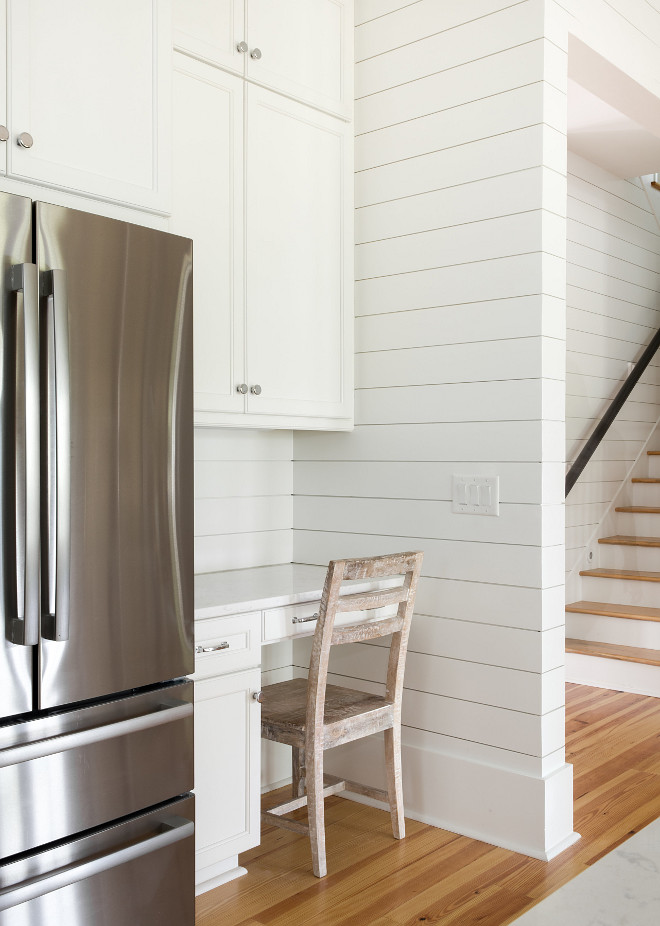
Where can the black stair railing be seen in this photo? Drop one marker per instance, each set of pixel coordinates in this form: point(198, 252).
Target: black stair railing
point(617, 403)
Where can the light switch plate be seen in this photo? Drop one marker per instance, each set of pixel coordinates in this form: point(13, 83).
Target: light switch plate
point(476, 495)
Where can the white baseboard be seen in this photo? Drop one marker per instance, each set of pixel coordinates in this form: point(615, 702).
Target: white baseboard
point(529, 814)
point(215, 875)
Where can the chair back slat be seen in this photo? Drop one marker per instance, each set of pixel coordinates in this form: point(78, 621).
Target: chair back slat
point(367, 601)
point(370, 630)
point(409, 566)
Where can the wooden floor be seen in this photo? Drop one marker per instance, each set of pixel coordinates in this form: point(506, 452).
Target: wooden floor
point(437, 877)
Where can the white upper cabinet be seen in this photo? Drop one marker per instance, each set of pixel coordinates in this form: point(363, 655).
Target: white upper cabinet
point(207, 206)
point(302, 48)
point(297, 220)
point(89, 92)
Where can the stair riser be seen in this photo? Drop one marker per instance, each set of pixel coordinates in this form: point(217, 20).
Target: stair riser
point(617, 591)
point(612, 673)
point(621, 557)
point(642, 525)
point(613, 630)
point(645, 493)
point(654, 467)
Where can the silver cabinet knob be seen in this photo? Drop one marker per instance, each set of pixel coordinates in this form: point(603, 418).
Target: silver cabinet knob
point(242, 388)
point(4, 133)
point(256, 389)
point(25, 140)
point(258, 696)
point(242, 47)
point(255, 53)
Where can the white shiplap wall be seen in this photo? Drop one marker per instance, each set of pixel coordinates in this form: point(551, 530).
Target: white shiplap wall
point(613, 311)
point(243, 504)
point(460, 220)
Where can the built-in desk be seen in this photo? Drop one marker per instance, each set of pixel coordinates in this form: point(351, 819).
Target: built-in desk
point(236, 612)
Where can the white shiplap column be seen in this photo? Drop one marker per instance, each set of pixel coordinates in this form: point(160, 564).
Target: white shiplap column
point(460, 368)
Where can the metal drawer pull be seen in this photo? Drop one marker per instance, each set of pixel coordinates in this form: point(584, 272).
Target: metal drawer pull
point(172, 831)
point(212, 649)
point(304, 620)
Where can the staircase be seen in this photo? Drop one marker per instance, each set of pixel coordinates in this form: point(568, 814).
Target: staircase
point(613, 635)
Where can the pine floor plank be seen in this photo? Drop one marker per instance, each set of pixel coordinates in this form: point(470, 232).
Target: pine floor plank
point(436, 877)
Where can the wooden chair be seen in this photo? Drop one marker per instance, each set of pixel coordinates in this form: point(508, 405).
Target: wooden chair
point(311, 716)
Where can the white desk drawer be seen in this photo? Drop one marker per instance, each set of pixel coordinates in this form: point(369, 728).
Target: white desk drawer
point(284, 623)
point(227, 644)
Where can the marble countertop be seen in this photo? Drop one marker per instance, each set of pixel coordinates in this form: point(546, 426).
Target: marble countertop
point(621, 889)
point(237, 590)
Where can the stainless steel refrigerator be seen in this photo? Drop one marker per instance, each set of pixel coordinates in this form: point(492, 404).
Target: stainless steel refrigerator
point(96, 573)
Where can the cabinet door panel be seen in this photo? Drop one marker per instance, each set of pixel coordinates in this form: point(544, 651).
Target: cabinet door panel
point(306, 49)
point(211, 30)
point(298, 288)
point(207, 206)
point(89, 83)
point(3, 84)
point(227, 767)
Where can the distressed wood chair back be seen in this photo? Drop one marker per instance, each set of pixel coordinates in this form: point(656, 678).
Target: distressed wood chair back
point(407, 565)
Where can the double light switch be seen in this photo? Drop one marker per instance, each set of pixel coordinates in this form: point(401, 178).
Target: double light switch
point(476, 495)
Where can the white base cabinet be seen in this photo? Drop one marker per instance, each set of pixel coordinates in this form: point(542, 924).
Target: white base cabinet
point(227, 745)
point(227, 750)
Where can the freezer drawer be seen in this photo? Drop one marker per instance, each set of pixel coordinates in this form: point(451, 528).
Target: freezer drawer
point(137, 873)
point(69, 772)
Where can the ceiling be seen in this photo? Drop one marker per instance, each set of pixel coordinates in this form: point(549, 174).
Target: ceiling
point(612, 120)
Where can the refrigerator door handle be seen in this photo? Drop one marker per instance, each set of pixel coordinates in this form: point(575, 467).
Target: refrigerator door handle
point(57, 500)
point(171, 831)
point(24, 625)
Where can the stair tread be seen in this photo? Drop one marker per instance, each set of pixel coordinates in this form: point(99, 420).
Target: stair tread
point(630, 540)
point(605, 609)
point(638, 574)
point(645, 479)
point(653, 453)
point(649, 657)
point(639, 509)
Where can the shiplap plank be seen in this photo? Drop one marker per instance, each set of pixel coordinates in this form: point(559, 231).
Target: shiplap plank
point(521, 483)
point(467, 681)
point(236, 444)
point(495, 115)
point(517, 399)
point(583, 213)
point(439, 51)
point(221, 478)
point(411, 22)
point(366, 10)
point(468, 202)
point(243, 514)
point(506, 564)
point(491, 320)
point(506, 440)
point(518, 524)
point(242, 551)
point(624, 329)
point(503, 236)
point(490, 157)
point(502, 278)
point(520, 358)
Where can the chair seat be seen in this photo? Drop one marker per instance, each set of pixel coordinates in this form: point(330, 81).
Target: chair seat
point(347, 713)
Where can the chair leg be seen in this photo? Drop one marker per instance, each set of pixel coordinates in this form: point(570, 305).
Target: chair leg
point(394, 785)
point(298, 772)
point(316, 811)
